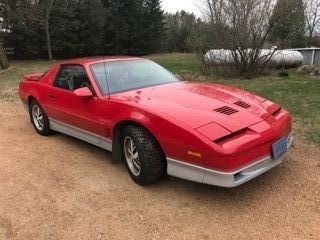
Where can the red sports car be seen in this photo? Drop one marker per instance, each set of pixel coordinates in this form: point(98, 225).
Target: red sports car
point(144, 114)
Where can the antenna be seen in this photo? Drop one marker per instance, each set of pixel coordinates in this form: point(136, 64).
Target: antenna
point(106, 74)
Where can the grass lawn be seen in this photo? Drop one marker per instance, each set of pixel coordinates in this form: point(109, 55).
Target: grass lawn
point(299, 94)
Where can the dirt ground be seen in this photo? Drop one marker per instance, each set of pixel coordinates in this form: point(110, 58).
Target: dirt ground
point(58, 187)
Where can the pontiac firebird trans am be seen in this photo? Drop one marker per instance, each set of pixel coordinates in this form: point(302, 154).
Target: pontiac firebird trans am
point(144, 114)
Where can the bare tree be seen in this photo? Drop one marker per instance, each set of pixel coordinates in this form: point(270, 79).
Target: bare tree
point(4, 63)
point(244, 28)
point(213, 10)
point(47, 9)
point(312, 17)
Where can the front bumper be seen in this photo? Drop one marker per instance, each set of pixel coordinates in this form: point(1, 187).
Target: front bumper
point(224, 179)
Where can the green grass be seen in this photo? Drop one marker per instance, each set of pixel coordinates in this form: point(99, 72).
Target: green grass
point(10, 78)
point(179, 63)
point(20, 68)
point(299, 94)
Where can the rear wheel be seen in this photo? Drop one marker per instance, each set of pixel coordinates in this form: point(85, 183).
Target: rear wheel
point(143, 156)
point(39, 119)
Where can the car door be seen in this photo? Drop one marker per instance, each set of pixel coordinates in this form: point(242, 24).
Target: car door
point(64, 107)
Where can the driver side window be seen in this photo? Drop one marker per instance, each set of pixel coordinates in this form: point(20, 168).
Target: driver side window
point(71, 77)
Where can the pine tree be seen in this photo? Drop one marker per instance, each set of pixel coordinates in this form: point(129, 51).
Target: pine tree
point(90, 15)
point(84, 27)
point(133, 26)
point(120, 25)
point(154, 24)
point(289, 24)
point(182, 30)
point(26, 32)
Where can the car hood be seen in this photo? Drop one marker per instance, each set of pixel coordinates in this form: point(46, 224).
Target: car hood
point(198, 104)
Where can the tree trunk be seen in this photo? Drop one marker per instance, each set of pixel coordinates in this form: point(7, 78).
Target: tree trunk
point(48, 38)
point(4, 63)
point(48, 9)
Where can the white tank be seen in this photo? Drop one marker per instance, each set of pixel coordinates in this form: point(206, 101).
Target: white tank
point(287, 58)
point(219, 56)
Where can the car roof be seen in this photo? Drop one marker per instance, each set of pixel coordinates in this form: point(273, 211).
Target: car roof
point(91, 60)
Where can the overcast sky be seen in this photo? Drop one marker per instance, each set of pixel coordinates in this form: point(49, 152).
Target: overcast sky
point(173, 6)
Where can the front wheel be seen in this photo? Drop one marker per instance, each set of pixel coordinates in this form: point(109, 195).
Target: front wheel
point(39, 119)
point(143, 156)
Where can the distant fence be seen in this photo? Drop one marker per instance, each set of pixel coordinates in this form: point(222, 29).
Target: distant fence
point(311, 56)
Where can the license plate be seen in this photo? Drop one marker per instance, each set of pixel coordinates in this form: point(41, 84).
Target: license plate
point(279, 148)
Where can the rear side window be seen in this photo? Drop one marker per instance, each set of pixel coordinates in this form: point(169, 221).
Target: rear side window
point(72, 77)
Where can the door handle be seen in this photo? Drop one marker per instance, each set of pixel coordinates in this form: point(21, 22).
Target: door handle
point(51, 96)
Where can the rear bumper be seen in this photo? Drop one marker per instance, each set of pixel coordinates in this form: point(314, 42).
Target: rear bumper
point(224, 179)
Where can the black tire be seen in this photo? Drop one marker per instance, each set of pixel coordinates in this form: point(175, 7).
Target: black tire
point(149, 164)
point(39, 119)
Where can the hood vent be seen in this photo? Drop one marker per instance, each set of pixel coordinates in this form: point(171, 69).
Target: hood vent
point(242, 104)
point(276, 112)
point(226, 110)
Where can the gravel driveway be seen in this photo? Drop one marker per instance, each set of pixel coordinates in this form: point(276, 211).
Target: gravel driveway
point(58, 187)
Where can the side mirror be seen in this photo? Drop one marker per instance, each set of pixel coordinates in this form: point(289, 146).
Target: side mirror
point(83, 92)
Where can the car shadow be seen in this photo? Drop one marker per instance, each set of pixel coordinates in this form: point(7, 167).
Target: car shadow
point(241, 196)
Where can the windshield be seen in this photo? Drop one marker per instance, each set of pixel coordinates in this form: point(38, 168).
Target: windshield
point(125, 75)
